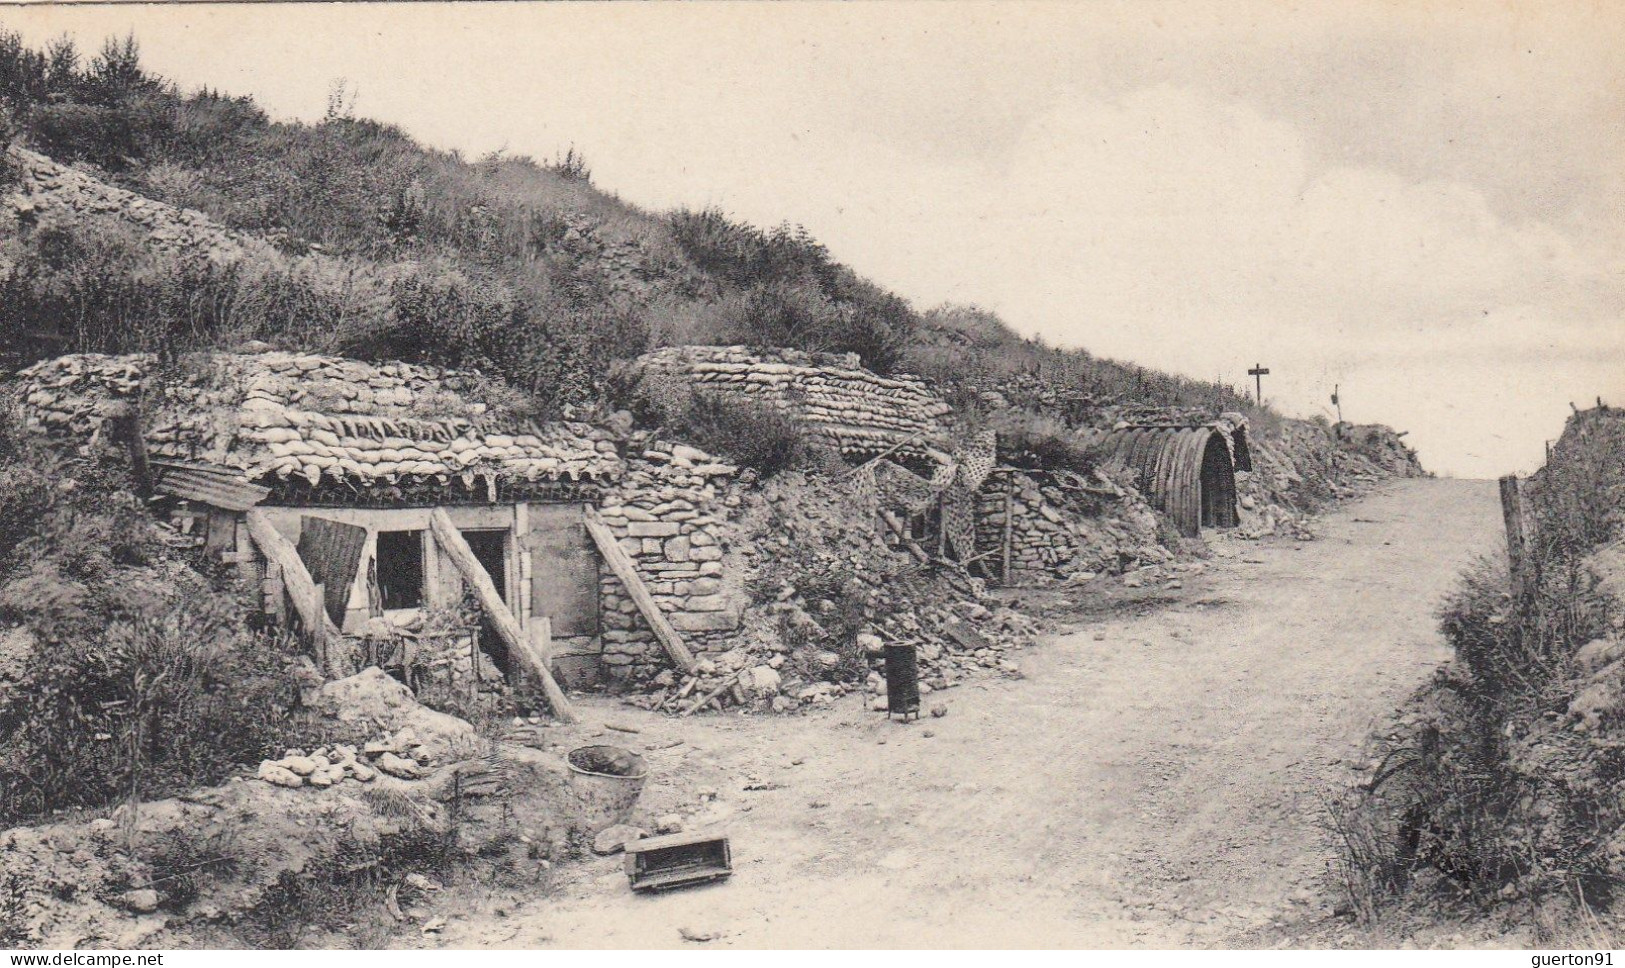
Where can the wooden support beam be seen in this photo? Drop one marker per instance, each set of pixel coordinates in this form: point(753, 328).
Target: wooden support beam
point(455, 546)
point(623, 568)
point(900, 529)
point(301, 588)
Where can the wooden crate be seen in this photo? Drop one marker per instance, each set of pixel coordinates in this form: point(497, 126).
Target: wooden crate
point(678, 860)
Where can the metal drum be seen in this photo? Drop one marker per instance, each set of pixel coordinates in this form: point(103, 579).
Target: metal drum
point(902, 682)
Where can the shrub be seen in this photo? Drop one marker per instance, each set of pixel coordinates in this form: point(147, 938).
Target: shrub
point(1031, 440)
point(145, 677)
point(178, 694)
point(745, 432)
point(1501, 784)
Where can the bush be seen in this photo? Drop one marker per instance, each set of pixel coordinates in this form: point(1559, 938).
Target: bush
point(744, 432)
point(144, 677)
point(1034, 441)
point(179, 694)
point(1502, 785)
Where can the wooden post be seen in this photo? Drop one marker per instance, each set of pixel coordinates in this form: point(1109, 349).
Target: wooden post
point(623, 568)
point(1009, 524)
point(318, 632)
point(1518, 551)
point(304, 593)
point(942, 525)
point(452, 542)
point(125, 417)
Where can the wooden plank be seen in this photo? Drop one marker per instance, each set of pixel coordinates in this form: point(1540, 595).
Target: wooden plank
point(564, 577)
point(332, 551)
point(624, 570)
point(215, 487)
point(456, 549)
point(296, 580)
point(900, 529)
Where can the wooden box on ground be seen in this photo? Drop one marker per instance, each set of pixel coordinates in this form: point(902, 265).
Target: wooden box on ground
point(678, 860)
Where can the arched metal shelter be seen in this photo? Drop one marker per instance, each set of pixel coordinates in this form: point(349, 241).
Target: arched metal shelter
point(1187, 473)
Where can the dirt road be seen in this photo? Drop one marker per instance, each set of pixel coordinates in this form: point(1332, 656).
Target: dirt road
point(1153, 780)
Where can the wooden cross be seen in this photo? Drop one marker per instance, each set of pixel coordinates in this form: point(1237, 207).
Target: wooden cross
point(1257, 373)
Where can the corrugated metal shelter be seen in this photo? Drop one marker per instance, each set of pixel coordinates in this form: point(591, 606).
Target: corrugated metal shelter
point(1188, 473)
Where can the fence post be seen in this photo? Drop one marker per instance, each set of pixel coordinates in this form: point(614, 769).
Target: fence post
point(1518, 550)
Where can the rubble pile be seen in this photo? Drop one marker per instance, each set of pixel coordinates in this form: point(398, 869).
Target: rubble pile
point(1307, 463)
point(328, 765)
point(317, 417)
point(380, 713)
point(1379, 446)
point(854, 410)
point(1035, 394)
point(826, 593)
point(213, 868)
point(952, 642)
point(47, 193)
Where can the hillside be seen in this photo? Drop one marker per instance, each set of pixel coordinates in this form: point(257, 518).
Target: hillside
point(518, 267)
point(215, 322)
point(1496, 789)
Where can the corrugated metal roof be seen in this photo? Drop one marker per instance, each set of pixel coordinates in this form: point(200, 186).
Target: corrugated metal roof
point(1186, 472)
point(232, 492)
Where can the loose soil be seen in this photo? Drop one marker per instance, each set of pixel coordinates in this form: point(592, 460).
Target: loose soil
point(1154, 779)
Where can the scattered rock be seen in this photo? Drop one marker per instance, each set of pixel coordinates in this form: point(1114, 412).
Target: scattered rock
point(399, 767)
point(699, 935)
point(669, 823)
point(302, 765)
point(612, 840)
point(142, 901)
point(761, 681)
point(281, 776)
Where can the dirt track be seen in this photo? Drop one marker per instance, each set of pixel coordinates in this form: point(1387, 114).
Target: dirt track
point(1153, 780)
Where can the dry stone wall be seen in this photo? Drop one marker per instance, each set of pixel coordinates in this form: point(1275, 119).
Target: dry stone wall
point(669, 512)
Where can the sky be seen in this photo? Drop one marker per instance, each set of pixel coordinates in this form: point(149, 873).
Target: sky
point(1420, 204)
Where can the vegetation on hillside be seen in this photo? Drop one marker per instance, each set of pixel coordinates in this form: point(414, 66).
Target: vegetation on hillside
point(1505, 780)
point(126, 669)
point(520, 268)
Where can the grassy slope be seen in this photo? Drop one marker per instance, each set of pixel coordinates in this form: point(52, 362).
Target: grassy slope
point(523, 268)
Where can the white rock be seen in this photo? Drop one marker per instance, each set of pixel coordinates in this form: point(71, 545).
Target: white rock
point(302, 765)
point(274, 773)
point(399, 766)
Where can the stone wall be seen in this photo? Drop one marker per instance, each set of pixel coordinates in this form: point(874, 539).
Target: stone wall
point(1051, 536)
point(668, 512)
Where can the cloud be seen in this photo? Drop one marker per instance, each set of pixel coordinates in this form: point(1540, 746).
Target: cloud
point(1183, 229)
point(1419, 206)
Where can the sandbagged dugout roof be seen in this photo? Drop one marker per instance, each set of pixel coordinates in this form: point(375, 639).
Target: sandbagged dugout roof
point(854, 409)
point(323, 418)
